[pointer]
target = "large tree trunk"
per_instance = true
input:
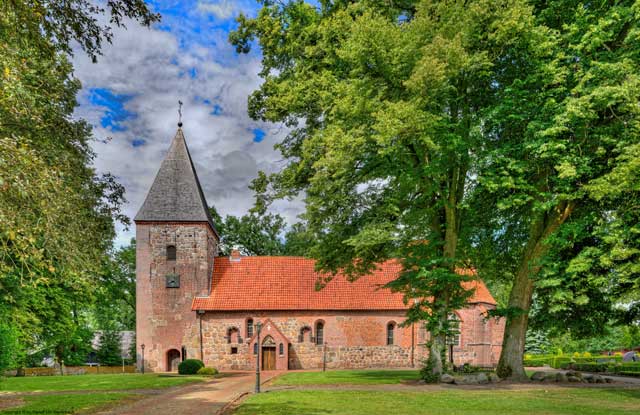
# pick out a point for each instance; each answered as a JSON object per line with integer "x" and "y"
{"x": 510, "y": 364}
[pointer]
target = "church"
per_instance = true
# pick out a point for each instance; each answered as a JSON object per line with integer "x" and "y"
{"x": 193, "y": 303}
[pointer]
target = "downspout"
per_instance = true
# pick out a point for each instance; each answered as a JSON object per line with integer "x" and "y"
{"x": 413, "y": 339}
{"x": 200, "y": 314}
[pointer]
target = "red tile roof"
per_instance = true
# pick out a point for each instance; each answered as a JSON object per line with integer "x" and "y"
{"x": 288, "y": 283}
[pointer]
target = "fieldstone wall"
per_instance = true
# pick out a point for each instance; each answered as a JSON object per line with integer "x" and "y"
{"x": 353, "y": 339}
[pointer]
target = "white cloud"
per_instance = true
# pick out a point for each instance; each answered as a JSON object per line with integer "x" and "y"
{"x": 223, "y": 9}
{"x": 153, "y": 67}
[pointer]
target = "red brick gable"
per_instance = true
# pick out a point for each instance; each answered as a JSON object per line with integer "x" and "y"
{"x": 289, "y": 283}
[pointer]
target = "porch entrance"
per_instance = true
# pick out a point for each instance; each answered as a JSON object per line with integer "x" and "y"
{"x": 268, "y": 358}
{"x": 173, "y": 360}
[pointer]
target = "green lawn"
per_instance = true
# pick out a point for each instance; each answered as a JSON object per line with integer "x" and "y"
{"x": 65, "y": 404}
{"x": 558, "y": 401}
{"x": 93, "y": 382}
{"x": 356, "y": 377}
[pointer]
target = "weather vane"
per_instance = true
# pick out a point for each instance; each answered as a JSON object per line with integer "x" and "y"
{"x": 179, "y": 113}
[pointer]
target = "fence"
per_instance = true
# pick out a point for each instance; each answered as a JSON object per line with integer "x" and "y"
{"x": 74, "y": 370}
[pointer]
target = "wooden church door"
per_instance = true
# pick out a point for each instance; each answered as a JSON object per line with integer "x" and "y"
{"x": 268, "y": 358}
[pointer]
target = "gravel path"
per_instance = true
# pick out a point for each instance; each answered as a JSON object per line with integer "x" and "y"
{"x": 203, "y": 398}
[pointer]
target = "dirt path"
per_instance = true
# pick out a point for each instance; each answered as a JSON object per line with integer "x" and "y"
{"x": 204, "y": 398}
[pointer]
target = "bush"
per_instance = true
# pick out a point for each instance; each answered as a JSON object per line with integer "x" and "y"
{"x": 207, "y": 371}
{"x": 190, "y": 366}
{"x": 586, "y": 367}
{"x": 625, "y": 373}
{"x": 426, "y": 373}
{"x": 626, "y": 367}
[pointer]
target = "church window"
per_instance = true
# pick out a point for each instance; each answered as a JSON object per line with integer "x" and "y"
{"x": 453, "y": 336}
{"x": 171, "y": 253}
{"x": 319, "y": 332}
{"x": 234, "y": 350}
{"x": 255, "y": 348}
{"x": 281, "y": 349}
{"x": 249, "y": 328}
{"x": 390, "y": 331}
{"x": 184, "y": 353}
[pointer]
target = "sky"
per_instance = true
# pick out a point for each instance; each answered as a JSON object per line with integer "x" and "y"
{"x": 131, "y": 98}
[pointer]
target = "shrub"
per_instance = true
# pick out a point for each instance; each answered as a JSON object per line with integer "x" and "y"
{"x": 586, "y": 367}
{"x": 207, "y": 371}
{"x": 537, "y": 361}
{"x": 426, "y": 373}
{"x": 190, "y": 366}
{"x": 634, "y": 374}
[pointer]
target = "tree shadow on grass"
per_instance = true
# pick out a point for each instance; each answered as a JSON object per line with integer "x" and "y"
{"x": 286, "y": 407}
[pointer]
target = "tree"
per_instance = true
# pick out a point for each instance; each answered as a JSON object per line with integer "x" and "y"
{"x": 560, "y": 135}
{"x": 252, "y": 234}
{"x": 109, "y": 350}
{"x": 385, "y": 101}
{"x": 115, "y": 304}
{"x": 56, "y": 215}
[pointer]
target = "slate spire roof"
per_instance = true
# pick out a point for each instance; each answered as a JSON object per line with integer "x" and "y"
{"x": 176, "y": 194}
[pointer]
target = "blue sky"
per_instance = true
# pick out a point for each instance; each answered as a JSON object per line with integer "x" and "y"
{"x": 131, "y": 98}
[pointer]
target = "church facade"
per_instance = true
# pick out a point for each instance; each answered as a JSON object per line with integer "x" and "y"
{"x": 192, "y": 303}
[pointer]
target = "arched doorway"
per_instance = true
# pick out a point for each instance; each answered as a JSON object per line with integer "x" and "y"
{"x": 173, "y": 360}
{"x": 268, "y": 354}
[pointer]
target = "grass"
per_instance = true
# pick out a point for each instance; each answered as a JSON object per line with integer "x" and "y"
{"x": 560, "y": 401}
{"x": 354, "y": 377}
{"x": 66, "y": 404}
{"x": 93, "y": 382}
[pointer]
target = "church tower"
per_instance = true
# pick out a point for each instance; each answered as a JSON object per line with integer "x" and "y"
{"x": 176, "y": 243}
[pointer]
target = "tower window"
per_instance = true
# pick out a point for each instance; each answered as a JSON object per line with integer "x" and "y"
{"x": 171, "y": 253}
{"x": 319, "y": 332}
{"x": 281, "y": 349}
{"x": 390, "y": 329}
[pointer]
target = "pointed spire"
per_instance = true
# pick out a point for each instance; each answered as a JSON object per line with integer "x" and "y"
{"x": 176, "y": 194}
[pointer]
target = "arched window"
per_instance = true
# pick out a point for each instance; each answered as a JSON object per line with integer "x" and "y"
{"x": 390, "y": 329}
{"x": 305, "y": 332}
{"x": 453, "y": 336}
{"x": 281, "y": 349}
{"x": 171, "y": 253}
{"x": 255, "y": 348}
{"x": 319, "y": 332}
{"x": 249, "y": 328}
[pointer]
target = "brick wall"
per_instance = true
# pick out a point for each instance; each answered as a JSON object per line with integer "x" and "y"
{"x": 164, "y": 317}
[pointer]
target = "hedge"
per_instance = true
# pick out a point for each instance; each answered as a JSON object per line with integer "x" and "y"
{"x": 559, "y": 362}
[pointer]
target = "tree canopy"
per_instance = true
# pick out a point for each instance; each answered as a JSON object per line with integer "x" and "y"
{"x": 56, "y": 214}
{"x": 498, "y": 135}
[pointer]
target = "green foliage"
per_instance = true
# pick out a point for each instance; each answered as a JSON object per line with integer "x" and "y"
{"x": 8, "y": 347}
{"x": 74, "y": 348}
{"x": 537, "y": 343}
{"x": 207, "y": 371}
{"x": 115, "y": 294}
{"x": 190, "y": 366}
{"x": 56, "y": 215}
{"x": 109, "y": 350}
{"x": 260, "y": 234}
{"x": 428, "y": 374}
{"x": 385, "y": 101}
